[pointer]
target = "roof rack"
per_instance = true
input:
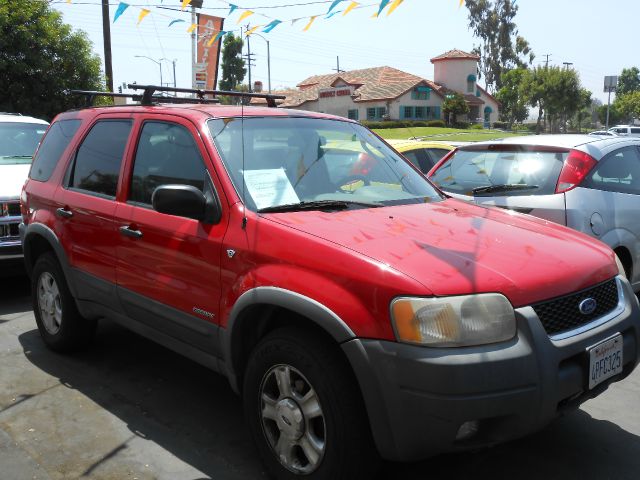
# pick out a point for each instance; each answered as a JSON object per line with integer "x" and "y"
{"x": 149, "y": 90}
{"x": 91, "y": 97}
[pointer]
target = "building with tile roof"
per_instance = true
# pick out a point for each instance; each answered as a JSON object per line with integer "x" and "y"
{"x": 388, "y": 93}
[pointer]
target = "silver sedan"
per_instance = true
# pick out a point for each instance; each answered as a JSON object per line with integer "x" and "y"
{"x": 588, "y": 183}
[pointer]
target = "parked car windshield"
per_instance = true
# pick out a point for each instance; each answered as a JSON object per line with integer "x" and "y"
{"x": 468, "y": 171}
{"x": 18, "y": 141}
{"x": 289, "y": 160}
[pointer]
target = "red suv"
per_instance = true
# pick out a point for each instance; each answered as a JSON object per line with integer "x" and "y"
{"x": 357, "y": 311}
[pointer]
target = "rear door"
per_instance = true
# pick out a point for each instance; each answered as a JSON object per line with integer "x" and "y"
{"x": 529, "y": 174}
{"x": 168, "y": 266}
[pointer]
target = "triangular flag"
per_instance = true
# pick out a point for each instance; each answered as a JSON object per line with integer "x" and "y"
{"x": 375, "y": 15}
{"x": 383, "y": 4}
{"x": 333, "y": 5}
{"x": 175, "y": 21}
{"x": 270, "y": 26}
{"x": 351, "y": 6}
{"x": 311, "y": 20}
{"x": 185, "y": 4}
{"x": 233, "y": 7}
{"x": 120, "y": 10}
{"x": 220, "y": 34}
{"x": 245, "y": 14}
{"x": 333, "y": 13}
{"x": 191, "y": 28}
{"x": 394, "y": 5}
{"x": 252, "y": 29}
{"x": 461, "y": 3}
{"x": 294, "y": 20}
{"x": 143, "y": 13}
{"x": 211, "y": 40}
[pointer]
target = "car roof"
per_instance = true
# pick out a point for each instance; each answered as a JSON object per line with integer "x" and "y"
{"x": 404, "y": 145}
{"x": 17, "y": 118}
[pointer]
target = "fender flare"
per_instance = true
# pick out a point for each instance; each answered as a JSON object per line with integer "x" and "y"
{"x": 27, "y": 232}
{"x": 278, "y": 297}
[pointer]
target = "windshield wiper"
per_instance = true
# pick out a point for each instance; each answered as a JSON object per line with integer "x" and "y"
{"x": 317, "y": 205}
{"x": 503, "y": 188}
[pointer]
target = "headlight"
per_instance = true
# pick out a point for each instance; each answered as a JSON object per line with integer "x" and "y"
{"x": 453, "y": 321}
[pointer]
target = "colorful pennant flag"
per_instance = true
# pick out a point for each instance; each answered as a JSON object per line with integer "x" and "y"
{"x": 394, "y": 5}
{"x": 294, "y": 20}
{"x": 143, "y": 13}
{"x": 245, "y": 14}
{"x": 311, "y": 20}
{"x": 383, "y": 4}
{"x": 333, "y": 5}
{"x": 233, "y": 8}
{"x": 270, "y": 26}
{"x": 332, "y": 14}
{"x": 185, "y": 4}
{"x": 175, "y": 21}
{"x": 461, "y": 3}
{"x": 191, "y": 28}
{"x": 351, "y": 6}
{"x": 120, "y": 10}
{"x": 252, "y": 29}
{"x": 218, "y": 36}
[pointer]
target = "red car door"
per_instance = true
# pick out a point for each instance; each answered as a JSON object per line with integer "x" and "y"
{"x": 168, "y": 269}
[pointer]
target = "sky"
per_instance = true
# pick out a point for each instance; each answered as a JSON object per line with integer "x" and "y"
{"x": 599, "y": 38}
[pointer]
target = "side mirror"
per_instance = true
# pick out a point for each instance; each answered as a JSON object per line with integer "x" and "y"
{"x": 179, "y": 200}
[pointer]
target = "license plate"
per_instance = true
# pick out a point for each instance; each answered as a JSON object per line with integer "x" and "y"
{"x": 605, "y": 360}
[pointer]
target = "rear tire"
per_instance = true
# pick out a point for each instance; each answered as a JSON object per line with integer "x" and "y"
{"x": 305, "y": 411}
{"x": 61, "y": 326}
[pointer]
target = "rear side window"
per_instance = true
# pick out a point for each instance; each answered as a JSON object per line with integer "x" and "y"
{"x": 53, "y": 145}
{"x": 436, "y": 154}
{"x": 166, "y": 154}
{"x": 467, "y": 170}
{"x": 97, "y": 163}
{"x": 635, "y": 130}
{"x": 617, "y": 172}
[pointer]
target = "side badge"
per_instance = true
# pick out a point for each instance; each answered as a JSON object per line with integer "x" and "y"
{"x": 230, "y": 253}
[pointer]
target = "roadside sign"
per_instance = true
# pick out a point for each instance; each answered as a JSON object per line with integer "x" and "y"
{"x": 610, "y": 83}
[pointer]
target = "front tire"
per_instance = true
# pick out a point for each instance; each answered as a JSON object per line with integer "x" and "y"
{"x": 305, "y": 410}
{"x": 61, "y": 326}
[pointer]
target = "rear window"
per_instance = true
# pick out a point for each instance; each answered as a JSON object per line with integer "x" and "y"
{"x": 53, "y": 145}
{"x": 467, "y": 170}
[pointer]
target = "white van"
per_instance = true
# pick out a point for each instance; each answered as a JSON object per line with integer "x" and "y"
{"x": 626, "y": 130}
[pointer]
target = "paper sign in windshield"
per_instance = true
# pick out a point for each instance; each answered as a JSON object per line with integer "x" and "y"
{"x": 270, "y": 187}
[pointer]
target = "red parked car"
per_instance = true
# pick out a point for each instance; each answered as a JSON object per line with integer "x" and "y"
{"x": 357, "y": 313}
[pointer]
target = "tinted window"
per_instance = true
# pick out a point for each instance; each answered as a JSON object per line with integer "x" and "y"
{"x": 470, "y": 169}
{"x": 18, "y": 141}
{"x": 166, "y": 154}
{"x": 54, "y": 143}
{"x": 436, "y": 154}
{"x": 97, "y": 164}
{"x": 635, "y": 130}
{"x": 617, "y": 172}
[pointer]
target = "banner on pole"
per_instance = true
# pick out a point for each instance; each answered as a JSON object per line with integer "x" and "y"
{"x": 208, "y": 53}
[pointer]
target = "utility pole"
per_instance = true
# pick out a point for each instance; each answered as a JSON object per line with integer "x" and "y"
{"x": 546, "y": 63}
{"x": 106, "y": 35}
{"x": 567, "y": 65}
{"x": 193, "y": 48}
{"x": 337, "y": 69}
{"x": 249, "y": 57}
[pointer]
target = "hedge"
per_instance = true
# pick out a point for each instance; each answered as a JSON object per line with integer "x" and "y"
{"x": 402, "y": 124}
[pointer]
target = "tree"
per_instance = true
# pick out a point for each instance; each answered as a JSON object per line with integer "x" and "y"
{"x": 614, "y": 115}
{"x": 454, "y": 105}
{"x": 628, "y": 105}
{"x": 233, "y": 70}
{"x": 628, "y": 81}
{"x": 40, "y": 58}
{"x": 583, "y": 111}
{"x": 514, "y": 96}
{"x": 501, "y": 48}
{"x": 557, "y": 94}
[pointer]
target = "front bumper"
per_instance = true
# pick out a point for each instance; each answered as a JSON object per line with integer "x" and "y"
{"x": 417, "y": 398}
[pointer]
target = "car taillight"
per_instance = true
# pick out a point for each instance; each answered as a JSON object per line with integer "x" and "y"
{"x": 440, "y": 162}
{"x": 576, "y": 166}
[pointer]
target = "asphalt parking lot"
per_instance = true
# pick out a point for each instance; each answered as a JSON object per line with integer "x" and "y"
{"x": 130, "y": 409}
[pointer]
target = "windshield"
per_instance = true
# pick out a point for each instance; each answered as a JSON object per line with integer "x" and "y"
{"x": 292, "y": 160}
{"x": 511, "y": 171}
{"x": 18, "y": 141}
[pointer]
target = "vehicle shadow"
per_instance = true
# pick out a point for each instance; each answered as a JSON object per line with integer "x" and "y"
{"x": 15, "y": 298}
{"x": 186, "y": 409}
{"x": 194, "y": 415}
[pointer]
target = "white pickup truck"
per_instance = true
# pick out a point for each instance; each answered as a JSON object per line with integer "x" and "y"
{"x": 19, "y": 138}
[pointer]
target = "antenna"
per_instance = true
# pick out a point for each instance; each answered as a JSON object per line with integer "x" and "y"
{"x": 244, "y": 200}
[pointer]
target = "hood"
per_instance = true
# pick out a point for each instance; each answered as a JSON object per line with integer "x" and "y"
{"x": 12, "y": 177}
{"x": 456, "y": 248}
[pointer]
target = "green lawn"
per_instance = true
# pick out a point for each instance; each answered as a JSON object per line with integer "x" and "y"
{"x": 447, "y": 134}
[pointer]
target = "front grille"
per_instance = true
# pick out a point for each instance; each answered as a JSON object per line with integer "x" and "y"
{"x": 562, "y": 314}
{"x": 11, "y": 231}
{"x": 10, "y": 209}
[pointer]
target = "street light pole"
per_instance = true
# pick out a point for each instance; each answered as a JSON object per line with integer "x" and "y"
{"x": 174, "y": 70}
{"x": 268, "y": 60}
{"x": 159, "y": 63}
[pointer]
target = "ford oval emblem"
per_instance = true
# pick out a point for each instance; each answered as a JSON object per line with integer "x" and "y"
{"x": 587, "y": 306}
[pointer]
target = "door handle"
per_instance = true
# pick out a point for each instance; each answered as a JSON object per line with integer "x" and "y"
{"x": 129, "y": 232}
{"x": 64, "y": 213}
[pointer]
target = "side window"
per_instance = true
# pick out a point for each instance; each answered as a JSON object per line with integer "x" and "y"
{"x": 617, "y": 172}
{"x": 166, "y": 154}
{"x": 436, "y": 154}
{"x": 97, "y": 163}
{"x": 54, "y": 143}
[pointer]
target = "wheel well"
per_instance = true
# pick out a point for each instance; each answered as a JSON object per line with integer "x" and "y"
{"x": 625, "y": 258}
{"x": 256, "y": 321}
{"x": 35, "y": 246}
